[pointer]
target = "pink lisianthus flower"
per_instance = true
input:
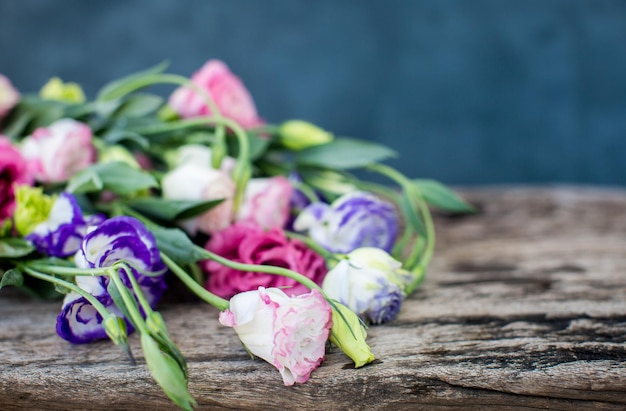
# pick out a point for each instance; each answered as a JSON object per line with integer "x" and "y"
{"x": 227, "y": 91}
{"x": 266, "y": 202}
{"x": 58, "y": 152}
{"x": 9, "y": 96}
{"x": 13, "y": 170}
{"x": 248, "y": 243}
{"x": 288, "y": 332}
{"x": 192, "y": 181}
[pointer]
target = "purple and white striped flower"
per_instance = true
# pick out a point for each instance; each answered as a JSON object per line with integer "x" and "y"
{"x": 370, "y": 282}
{"x": 357, "y": 219}
{"x": 62, "y": 233}
{"x": 116, "y": 239}
{"x": 79, "y": 322}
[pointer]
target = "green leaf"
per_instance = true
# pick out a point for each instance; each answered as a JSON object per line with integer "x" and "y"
{"x": 169, "y": 210}
{"x": 85, "y": 181}
{"x": 409, "y": 210}
{"x": 175, "y": 244}
{"x": 344, "y": 153}
{"x": 15, "y": 247}
{"x": 115, "y": 176}
{"x": 440, "y": 196}
{"x": 12, "y": 277}
{"x": 258, "y": 146}
{"x": 139, "y": 105}
{"x": 119, "y": 87}
{"x": 117, "y": 135}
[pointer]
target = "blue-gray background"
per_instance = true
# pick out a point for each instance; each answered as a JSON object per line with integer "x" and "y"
{"x": 469, "y": 92}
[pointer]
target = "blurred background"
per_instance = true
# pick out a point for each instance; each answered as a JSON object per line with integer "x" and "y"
{"x": 468, "y": 92}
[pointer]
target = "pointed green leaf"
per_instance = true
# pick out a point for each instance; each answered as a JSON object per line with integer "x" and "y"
{"x": 115, "y": 176}
{"x": 139, "y": 105}
{"x": 175, "y": 243}
{"x": 440, "y": 196}
{"x": 344, "y": 153}
{"x": 169, "y": 210}
{"x": 117, "y": 135}
{"x": 85, "y": 181}
{"x": 15, "y": 247}
{"x": 12, "y": 277}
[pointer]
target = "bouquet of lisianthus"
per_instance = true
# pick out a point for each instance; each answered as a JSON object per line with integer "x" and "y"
{"x": 105, "y": 202}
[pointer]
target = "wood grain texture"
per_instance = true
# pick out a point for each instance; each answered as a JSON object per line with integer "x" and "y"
{"x": 524, "y": 307}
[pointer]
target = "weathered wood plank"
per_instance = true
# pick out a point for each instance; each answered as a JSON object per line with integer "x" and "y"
{"x": 524, "y": 307}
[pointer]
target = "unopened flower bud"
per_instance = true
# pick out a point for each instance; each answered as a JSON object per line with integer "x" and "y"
{"x": 348, "y": 334}
{"x": 298, "y": 135}
{"x": 56, "y": 89}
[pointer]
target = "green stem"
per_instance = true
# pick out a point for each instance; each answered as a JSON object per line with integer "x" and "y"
{"x": 312, "y": 245}
{"x": 68, "y": 271}
{"x": 267, "y": 269}
{"x": 412, "y": 191}
{"x": 71, "y": 286}
{"x": 136, "y": 288}
{"x": 420, "y": 268}
{"x": 207, "y": 296}
{"x": 130, "y": 304}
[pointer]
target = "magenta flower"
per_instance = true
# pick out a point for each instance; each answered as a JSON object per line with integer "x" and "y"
{"x": 227, "y": 91}
{"x": 59, "y": 151}
{"x": 266, "y": 202}
{"x": 13, "y": 170}
{"x": 9, "y": 96}
{"x": 288, "y": 332}
{"x": 248, "y": 243}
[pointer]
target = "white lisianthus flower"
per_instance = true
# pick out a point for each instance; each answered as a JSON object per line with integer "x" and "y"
{"x": 370, "y": 282}
{"x": 196, "y": 182}
{"x": 200, "y": 155}
{"x": 288, "y": 332}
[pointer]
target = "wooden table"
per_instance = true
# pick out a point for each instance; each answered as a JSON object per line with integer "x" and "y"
{"x": 524, "y": 306}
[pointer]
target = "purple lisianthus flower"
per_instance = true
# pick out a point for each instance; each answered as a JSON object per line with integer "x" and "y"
{"x": 357, "y": 219}
{"x": 116, "y": 239}
{"x": 79, "y": 322}
{"x": 62, "y": 233}
{"x": 370, "y": 282}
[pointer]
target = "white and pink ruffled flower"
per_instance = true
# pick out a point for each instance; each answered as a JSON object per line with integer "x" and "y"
{"x": 59, "y": 151}
{"x": 227, "y": 91}
{"x": 192, "y": 181}
{"x": 266, "y": 202}
{"x": 288, "y": 332}
{"x": 9, "y": 96}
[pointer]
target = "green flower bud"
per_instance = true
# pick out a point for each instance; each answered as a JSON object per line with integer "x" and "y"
{"x": 55, "y": 89}
{"x": 115, "y": 328}
{"x": 298, "y": 135}
{"x": 32, "y": 207}
{"x": 167, "y": 373}
{"x": 118, "y": 153}
{"x": 348, "y": 334}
